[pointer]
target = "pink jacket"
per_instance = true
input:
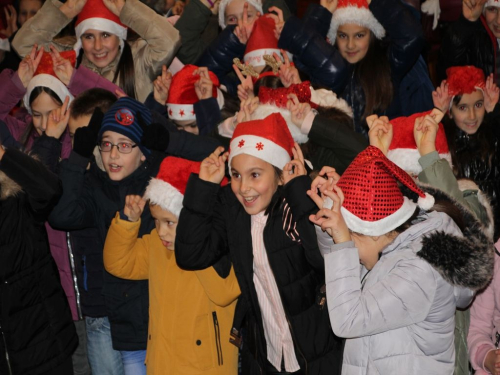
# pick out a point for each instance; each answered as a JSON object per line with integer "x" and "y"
{"x": 11, "y": 92}
{"x": 485, "y": 320}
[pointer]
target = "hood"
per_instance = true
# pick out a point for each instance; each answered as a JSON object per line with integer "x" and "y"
{"x": 8, "y": 188}
{"x": 465, "y": 261}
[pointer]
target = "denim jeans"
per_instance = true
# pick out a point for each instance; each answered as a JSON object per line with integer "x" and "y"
{"x": 133, "y": 362}
{"x": 104, "y": 360}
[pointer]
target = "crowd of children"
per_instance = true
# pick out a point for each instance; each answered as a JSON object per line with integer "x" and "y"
{"x": 223, "y": 187}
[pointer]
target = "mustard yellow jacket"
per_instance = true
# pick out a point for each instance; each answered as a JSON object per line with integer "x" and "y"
{"x": 190, "y": 313}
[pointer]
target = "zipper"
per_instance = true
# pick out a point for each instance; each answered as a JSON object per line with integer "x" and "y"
{"x": 6, "y": 351}
{"x": 217, "y": 338}
{"x": 73, "y": 274}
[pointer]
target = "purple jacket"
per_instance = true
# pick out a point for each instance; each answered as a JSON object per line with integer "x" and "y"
{"x": 11, "y": 93}
{"x": 485, "y": 320}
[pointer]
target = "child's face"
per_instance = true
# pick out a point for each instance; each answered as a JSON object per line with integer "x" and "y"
{"x": 166, "y": 225}
{"x": 41, "y": 108}
{"x": 234, "y": 12}
{"x": 353, "y": 42}
{"x": 27, "y": 9}
{"x": 189, "y": 126}
{"x": 492, "y": 16}
{"x": 468, "y": 114}
{"x": 254, "y": 182}
{"x": 76, "y": 123}
{"x": 119, "y": 165}
{"x": 100, "y": 47}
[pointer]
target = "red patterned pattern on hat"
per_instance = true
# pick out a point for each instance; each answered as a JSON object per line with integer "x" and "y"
{"x": 182, "y": 95}
{"x": 464, "y": 79}
{"x": 46, "y": 65}
{"x": 167, "y": 189}
{"x": 268, "y": 139}
{"x": 262, "y": 42}
{"x": 373, "y": 204}
{"x": 355, "y": 12}
{"x": 403, "y": 149}
{"x": 279, "y": 96}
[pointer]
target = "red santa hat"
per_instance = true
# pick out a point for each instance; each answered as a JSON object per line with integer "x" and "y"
{"x": 96, "y": 16}
{"x": 262, "y": 42}
{"x": 268, "y": 139}
{"x": 257, "y": 4}
{"x": 403, "y": 149}
{"x": 46, "y": 77}
{"x": 167, "y": 189}
{"x": 373, "y": 203}
{"x": 182, "y": 95}
{"x": 356, "y": 12}
{"x": 464, "y": 80}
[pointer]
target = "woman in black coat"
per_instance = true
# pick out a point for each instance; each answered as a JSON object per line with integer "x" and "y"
{"x": 38, "y": 334}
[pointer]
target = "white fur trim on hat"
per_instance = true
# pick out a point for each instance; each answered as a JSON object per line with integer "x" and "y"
{"x": 100, "y": 24}
{"x": 261, "y": 148}
{"x": 46, "y": 80}
{"x": 181, "y": 112}
{"x": 407, "y": 159}
{"x": 382, "y": 226}
{"x": 4, "y": 44}
{"x": 256, "y": 58}
{"x": 491, "y": 3}
{"x": 359, "y": 16}
{"x": 327, "y": 98}
{"x": 222, "y": 9}
{"x": 163, "y": 194}
{"x": 264, "y": 110}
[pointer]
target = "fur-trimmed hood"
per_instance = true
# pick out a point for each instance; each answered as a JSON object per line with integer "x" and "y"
{"x": 8, "y": 188}
{"x": 465, "y": 261}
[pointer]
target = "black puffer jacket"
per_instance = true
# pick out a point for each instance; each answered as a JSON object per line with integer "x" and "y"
{"x": 326, "y": 67}
{"x": 468, "y": 43}
{"x": 213, "y": 223}
{"x": 37, "y": 330}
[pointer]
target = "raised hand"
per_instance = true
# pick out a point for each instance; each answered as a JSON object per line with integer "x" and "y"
{"x": 72, "y": 8}
{"x": 247, "y": 108}
{"x": 425, "y": 131}
{"x": 28, "y": 66}
{"x": 441, "y": 97}
{"x": 11, "y": 21}
{"x": 491, "y": 94}
{"x": 289, "y": 75}
{"x": 85, "y": 138}
{"x": 62, "y": 67}
{"x": 296, "y": 166}
{"x": 331, "y": 5}
{"x": 278, "y": 20}
{"x": 134, "y": 207}
{"x": 472, "y": 9}
{"x": 213, "y": 167}
{"x": 58, "y": 120}
{"x": 204, "y": 86}
{"x": 245, "y": 27}
{"x": 325, "y": 180}
{"x": 298, "y": 110}
{"x": 380, "y": 133}
{"x": 245, "y": 88}
{"x": 115, "y": 6}
{"x": 161, "y": 86}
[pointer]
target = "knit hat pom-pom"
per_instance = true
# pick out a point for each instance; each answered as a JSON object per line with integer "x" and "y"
{"x": 426, "y": 202}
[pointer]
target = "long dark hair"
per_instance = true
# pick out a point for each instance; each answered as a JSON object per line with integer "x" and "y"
{"x": 125, "y": 72}
{"x": 35, "y": 94}
{"x": 378, "y": 88}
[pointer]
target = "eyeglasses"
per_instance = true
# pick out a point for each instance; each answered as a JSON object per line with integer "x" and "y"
{"x": 123, "y": 147}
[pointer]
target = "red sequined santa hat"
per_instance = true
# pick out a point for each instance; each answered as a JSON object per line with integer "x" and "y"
{"x": 373, "y": 203}
{"x": 96, "y": 16}
{"x": 182, "y": 95}
{"x": 262, "y": 42}
{"x": 46, "y": 77}
{"x": 167, "y": 189}
{"x": 356, "y": 12}
{"x": 268, "y": 139}
{"x": 403, "y": 149}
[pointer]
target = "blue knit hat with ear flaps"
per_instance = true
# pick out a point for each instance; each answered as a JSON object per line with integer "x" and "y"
{"x": 122, "y": 118}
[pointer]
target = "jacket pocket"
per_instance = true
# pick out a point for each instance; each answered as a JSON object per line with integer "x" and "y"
{"x": 203, "y": 342}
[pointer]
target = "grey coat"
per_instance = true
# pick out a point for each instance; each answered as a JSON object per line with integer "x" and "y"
{"x": 400, "y": 318}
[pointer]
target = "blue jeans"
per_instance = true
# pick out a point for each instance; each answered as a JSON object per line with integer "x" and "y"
{"x": 133, "y": 362}
{"x": 104, "y": 360}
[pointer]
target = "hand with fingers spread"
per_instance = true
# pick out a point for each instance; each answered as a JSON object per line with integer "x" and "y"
{"x": 213, "y": 168}
{"x": 72, "y": 8}
{"x": 115, "y": 6}
{"x": 58, "y": 120}
{"x": 296, "y": 167}
{"x": 247, "y": 108}
{"x": 10, "y": 21}
{"x": 325, "y": 180}
{"x": 380, "y": 133}
{"x": 204, "y": 86}
{"x": 28, "y": 66}
{"x": 245, "y": 88}
{"x": 161, "y": 86}
{"x": 245, "y": 26}
{"x": 62, "y": 67}
{"x": 425, "y": 132}
{"x": 298, "y": 110}
{"x": 441, "y": 97}
{"x": 289, "y": 75}
{"x": 491, "y": 94}
{"x": 134, "y": 207}
{"x": 331, "y": 5}
{"x": 155, "y": 136}
{"x": 472, "y": 9}
{"x": 85, "y": 138}
{"x": 278, "y": 20}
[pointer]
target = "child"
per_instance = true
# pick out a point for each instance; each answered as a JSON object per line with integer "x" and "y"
{"x": 277, "y": 264}
{"x": 38, "y": 335}
{"x": 191, "y": 312}
{"x": 421, "y": 261}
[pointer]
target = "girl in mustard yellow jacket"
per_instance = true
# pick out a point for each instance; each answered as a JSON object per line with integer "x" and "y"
{"x": 191, "y": 312}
